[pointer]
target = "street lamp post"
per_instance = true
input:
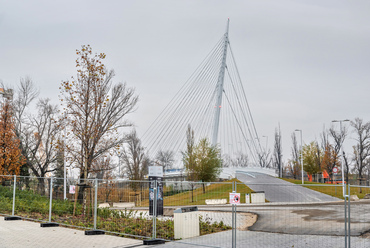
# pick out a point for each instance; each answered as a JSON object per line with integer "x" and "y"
{"x": 299, "y": 130}
{"x": 119, "y": 162}
{"x": 341, "y": 152}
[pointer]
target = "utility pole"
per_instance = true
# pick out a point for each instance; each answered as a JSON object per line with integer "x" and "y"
{"x": 341, "y": 152}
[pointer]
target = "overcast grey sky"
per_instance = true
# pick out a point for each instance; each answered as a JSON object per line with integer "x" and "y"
{"x": 303, "y": 63}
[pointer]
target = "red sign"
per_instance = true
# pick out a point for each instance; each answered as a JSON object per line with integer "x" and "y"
{"x": 234, "y": 198}
{"x": 335, "y": 170}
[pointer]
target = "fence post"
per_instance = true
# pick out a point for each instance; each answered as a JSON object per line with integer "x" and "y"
{"x": 349, "y": 215}
{"x": 155, "y": 210}
{"x": 95, "y": 231}
{"x": 95, "y": 202}
{"x": 12, "y": 217}
{"x": 50, "y": 224}
{"x": 14, "y": 186}
{"x": 233, "y": 214}
{"x": 51, "y": 198}
{"x": 345, "y": 216}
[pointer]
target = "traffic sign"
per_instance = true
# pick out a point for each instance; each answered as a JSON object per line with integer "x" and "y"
{"x": 335, "y": 170}
{"x": 234, "y": 198}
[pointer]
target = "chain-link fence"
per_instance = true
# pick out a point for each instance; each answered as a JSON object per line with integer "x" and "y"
{"x": 195, "y": 213}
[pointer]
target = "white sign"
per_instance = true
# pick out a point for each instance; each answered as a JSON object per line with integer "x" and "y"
{"x": 155, "y": 171}
{"x": 335, "y": 170}
{"x": 234, "y": 198}
{"x": 72, "y": 189}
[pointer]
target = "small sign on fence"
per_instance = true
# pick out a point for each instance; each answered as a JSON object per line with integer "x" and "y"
{"x": 72, "y": 189}
{"x": 234, "y": 198}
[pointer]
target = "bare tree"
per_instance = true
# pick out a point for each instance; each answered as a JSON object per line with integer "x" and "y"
{"x": 165, "y": 159}
{"x": 94, "y": 110}
{"x": 338, "y": 138}
{"x": 294, "y": 165}
{"x": 241, "y": 160}
{"x": 189, "y": 159}
{"x": 264, "y": 159}
{"x": 278, "y": 152}
{"x": 134, "y": 158}
{"x": 25, "y": 94}
{"x": 43, "y": 147}
{"x": 362, "y": 148}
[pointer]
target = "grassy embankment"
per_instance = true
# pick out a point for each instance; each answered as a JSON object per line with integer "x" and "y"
{"x": 213, "y": 191}
{"x": 335, "y": 190}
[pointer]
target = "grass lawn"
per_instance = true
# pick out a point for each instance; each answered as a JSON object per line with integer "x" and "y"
{"x": 335, "y": 190}
{"x": 212, "y": 191}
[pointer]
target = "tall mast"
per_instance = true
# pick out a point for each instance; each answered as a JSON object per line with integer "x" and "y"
{"x": 220, "y": 87}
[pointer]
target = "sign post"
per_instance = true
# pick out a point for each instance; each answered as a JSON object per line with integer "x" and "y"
{"x": 155, "y": 201}
{"x": 234, "y": 199}
{"x": 156, "y": 176}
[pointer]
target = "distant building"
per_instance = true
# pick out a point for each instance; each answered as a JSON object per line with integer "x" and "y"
{"x": 6, "y": 94}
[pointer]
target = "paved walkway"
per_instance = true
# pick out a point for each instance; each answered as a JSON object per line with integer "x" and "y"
{"x": 21, "y": 234}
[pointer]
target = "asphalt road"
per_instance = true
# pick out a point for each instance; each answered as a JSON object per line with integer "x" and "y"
{"x": 278, "y": 190}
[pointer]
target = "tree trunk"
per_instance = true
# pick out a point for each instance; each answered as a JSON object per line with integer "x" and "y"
{"x": 41, "y": 185}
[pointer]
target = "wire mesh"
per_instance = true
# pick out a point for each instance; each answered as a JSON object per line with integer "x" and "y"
{"x": 123, "y": 208}
{"x": 288, "y": 215}
{"x": 6, "y": 194}
{"x": 291, "y": 215}
{"x": 193, "y": 209}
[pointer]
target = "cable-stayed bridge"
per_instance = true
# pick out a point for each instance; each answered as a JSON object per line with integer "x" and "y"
{"x": 213, "y": 102}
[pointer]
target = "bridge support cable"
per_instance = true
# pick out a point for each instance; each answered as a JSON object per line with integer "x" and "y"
{"x": 241, "y": 129}
{"x": 185, "y": 107}
{"x": 199, "y": 102}
{"x": 244, "y": 95}
{"x": 238, "y": 104}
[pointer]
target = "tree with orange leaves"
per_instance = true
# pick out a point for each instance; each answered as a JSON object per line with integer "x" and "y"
{"x": 11, "y": 158}
{"x": 330, "y": 160}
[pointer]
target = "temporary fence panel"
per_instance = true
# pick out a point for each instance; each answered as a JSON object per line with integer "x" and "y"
{"x": 293, "y": 216}
{"x": 6, "y": 194}
{"x": 359, "y": 216}
{"x": 188, "y": 205}
{"x": 123, "y": 208}
{"x": 308, "y": 215}
{"x": 32, "y": 198}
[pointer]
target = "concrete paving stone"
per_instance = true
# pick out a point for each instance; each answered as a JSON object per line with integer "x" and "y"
{"x": 21, "y": 234}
